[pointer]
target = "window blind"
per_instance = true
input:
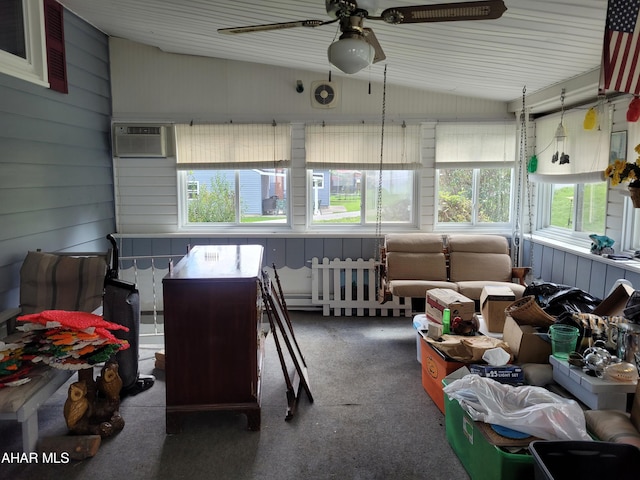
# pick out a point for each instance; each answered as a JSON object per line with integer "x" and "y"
{"x": 359, "y": 147}
{"x": 588, "y": 150}
{"x": 233, "y": 146}
{"x": 475, "y": 145}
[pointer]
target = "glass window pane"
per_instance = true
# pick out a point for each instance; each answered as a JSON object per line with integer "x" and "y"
{"x": 336, "y": 196}
{"x": 494, "y": 198}
{"x": 397, "y": 196}
{"x": 455, "y": 193}
{"x": 212, "y": 196}
{"x": 634, "y": 243}
{"x": 215, "y": 199}
{"x": 593, "y": 208}
{"x": 562, "y": 199}
{"x": 12, "y": 37}
{"x": 263, "y": 195}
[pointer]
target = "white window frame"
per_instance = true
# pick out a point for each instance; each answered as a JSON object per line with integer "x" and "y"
{"x": 363, "y": 224}
{"x": 501, "y": 226}
{"x": 34, "y": 68}
{"x": 183, "y": 206}
{"x": 543, "y": 214}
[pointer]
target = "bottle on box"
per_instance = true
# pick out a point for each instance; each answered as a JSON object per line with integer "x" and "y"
{"x": 446, "y": 321}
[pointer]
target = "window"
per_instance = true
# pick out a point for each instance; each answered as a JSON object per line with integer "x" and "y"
{"x": 22, "y": 40}
{"x": 572, "y": 196}
{"x": 346, "y": 174}
{"x": 474, "y": 196}
{"x": 578, "y": 207}
{"x": 353, "y": 197}
{"x": 233, "y": 174}
{"x": 474, "y": 165}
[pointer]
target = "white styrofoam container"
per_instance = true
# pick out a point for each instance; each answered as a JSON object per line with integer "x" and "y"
{"x": 596, "y": 393}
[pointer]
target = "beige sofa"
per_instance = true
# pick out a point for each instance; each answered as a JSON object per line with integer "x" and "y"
{"x": 417, "y": 262}
{"x": 616, "y": 426}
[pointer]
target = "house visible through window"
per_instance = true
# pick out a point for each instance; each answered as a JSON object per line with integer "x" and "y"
{"x": 233, "y": 174}
{"x": 349, "y": 175}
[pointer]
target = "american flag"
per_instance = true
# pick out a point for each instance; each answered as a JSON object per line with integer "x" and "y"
{"x": 622, "y": 47}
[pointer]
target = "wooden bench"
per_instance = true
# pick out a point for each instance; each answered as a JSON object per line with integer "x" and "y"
{"x": 79, "y": 284}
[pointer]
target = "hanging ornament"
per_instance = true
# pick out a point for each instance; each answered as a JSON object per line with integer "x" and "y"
{"x": 590, "y": 119}
{"x": 633, "y": 113}
{"x": 532, "y": 165}
{"x": 560, "y": 156}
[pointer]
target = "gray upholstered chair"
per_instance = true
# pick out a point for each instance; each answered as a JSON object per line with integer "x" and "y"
{"x": 67, "y": 281}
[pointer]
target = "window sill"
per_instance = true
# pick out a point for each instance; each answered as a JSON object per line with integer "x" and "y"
{"x": 631, "y": 264}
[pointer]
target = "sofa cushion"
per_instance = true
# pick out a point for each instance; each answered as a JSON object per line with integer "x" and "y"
{"x": 612, "y": 426}
{"x": 417, "y": 288}
{"x": 466, "y": 266}
{"x": 478, "y": 244}
{"x": 473, "y": 288}
{"x": 416, "y": 266}
{"x": 414, "y": 242}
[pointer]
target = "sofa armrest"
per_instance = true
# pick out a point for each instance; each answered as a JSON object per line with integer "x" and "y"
{"x": 384, "y": 295}
{"x": 520, "y": 273}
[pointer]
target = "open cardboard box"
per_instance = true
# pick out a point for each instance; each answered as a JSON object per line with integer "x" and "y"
{"x": 526, "y": 343}
{"x": 494, "y": 300}
{"x": 615, "y": 303}
{"x": 530, "y": 346}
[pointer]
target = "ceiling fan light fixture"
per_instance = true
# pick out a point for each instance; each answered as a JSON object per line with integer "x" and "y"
{"x": 351, "y": 54}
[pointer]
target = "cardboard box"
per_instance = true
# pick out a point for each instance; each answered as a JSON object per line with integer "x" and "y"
{"x": 526, "y": 344}
{"x": 510, "y": 374}
{"x": 435, "y": 366}
{"x": 615, "y": 303}
{"x": 440, "y": 298}
{"x": 493, "y": 301}
{"x": 484, "y": 454}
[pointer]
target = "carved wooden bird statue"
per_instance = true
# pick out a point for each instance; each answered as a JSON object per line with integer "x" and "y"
{"x": 76, "y": 406}
{"x": 109, "y": 382}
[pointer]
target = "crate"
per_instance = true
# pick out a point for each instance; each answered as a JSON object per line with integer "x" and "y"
{"x": 555, "y": 460}
{"x": 482, "y": 458}
{"x": 435, "y": 366}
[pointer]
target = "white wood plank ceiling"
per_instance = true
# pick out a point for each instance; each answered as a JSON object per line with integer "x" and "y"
{"x": 535, "y": 44}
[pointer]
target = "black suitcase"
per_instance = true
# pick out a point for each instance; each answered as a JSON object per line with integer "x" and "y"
{"x": 121, "y": 305}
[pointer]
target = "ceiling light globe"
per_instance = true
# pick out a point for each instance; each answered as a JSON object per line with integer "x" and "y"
{"x": 351, "y": 54}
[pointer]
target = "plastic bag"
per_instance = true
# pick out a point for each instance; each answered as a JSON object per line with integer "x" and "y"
{"x": 557, "y": 299}
{"x": 528, "y": 409}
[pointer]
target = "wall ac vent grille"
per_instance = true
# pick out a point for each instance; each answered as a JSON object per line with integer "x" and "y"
{"x": 140, "y": 141}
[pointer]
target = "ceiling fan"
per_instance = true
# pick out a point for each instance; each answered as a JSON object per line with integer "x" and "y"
{"x": 358, "y": 47}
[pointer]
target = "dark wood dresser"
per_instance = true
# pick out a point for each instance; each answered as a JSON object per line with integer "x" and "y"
{"x": 213, "y": 334}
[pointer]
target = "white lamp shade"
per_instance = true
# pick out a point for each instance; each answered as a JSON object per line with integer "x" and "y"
{"x": 351, "y": 54}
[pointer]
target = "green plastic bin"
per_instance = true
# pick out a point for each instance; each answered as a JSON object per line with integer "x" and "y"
{"x": 482, "y": 460}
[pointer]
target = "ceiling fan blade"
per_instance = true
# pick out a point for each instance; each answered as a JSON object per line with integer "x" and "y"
{"x": 444, "y": 12}
{"x": 371, "y": 39}
{"x": 275, "y": 26}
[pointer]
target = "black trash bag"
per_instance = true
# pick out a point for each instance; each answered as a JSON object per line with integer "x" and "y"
{"x": 632, "y": 308}
{"x": 556, "y": 299}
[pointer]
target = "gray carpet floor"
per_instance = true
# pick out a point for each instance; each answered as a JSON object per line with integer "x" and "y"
{"x": 370, "y": 419}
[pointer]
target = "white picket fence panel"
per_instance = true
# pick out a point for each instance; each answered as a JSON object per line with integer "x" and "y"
{"x": 348, "y": 287}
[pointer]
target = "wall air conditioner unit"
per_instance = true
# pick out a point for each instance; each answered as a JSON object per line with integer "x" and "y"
{"x": 140, "y": 140}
